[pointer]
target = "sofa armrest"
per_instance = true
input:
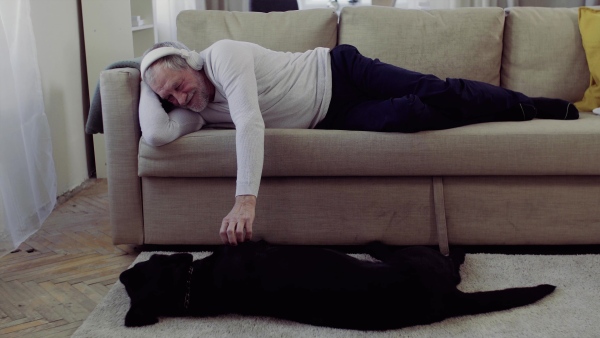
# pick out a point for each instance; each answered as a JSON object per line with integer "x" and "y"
{"x": 120, "y": 92}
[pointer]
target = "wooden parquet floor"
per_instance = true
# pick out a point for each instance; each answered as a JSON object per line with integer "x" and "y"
{"x": 56, "y": 278}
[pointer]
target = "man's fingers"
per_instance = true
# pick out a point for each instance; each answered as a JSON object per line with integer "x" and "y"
{"x": 239, "y": 232}
{"x": 227, "y": 232}
{"x": 223, "y": 232}
{"x": 249, "y": 229}
{"x": 231, "y": 233}
{"x": 236, "y": 227}
{"x": 249, "y": 232}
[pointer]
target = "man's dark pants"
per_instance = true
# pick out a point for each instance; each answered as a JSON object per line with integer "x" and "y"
{"x": 371, "y": 95}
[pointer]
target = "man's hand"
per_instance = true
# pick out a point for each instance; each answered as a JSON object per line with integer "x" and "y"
{"x": 237, "y": 225}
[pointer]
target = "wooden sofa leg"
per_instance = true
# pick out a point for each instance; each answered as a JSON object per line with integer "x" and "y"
{"x": 440, "y": 214}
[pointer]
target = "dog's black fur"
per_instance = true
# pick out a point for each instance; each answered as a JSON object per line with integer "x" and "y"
{"x": 318, "y": 286}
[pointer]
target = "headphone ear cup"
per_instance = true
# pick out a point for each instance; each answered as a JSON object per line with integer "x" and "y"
{"x": 194, "y": 60}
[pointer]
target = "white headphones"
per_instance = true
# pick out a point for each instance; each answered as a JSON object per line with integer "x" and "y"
{"x": 192, "y": 58}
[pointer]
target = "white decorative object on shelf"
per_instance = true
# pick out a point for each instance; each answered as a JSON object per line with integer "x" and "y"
{"x": 137, "y": 21}
{"x": 596, "y": 111}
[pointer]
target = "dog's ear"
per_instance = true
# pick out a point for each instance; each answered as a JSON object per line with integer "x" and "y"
{"x": 131, "y": 277}
{"x": 135, "y": 276}
{"x": 138, "y": 315}
{"x": 181, "y": 258}
{"x": 158, "y": 257}
{"x": 184, "y": 258}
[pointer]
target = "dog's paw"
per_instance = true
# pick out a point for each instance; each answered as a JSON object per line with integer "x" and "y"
{"x": 136, "y": 316}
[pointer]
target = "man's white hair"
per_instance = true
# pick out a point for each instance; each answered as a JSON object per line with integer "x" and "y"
{"x": 174, "y": 62}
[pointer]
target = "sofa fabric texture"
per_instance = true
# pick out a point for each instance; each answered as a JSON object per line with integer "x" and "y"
{"x": 543, "y": 55}
{"x": 293, "y": 31}
{"x": 498, "y": 148}
{"x": 421, "y": 41}
{"x": 501, "y": 183}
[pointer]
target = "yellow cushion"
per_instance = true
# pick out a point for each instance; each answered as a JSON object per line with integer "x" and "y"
{"x": 589, "y": 26}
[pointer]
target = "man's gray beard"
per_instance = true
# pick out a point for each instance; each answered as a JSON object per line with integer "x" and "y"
{"x": 196, "y": 109}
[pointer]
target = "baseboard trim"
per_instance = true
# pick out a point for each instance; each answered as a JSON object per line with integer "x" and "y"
{"x": 69, "y": 194}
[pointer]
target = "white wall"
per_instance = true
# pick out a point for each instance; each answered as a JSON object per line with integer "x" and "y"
{"x": 56, "y": 30}
{"x": 108, "y": 39}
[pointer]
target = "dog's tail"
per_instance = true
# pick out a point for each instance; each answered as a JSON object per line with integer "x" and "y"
{"x": 489, "y": 301}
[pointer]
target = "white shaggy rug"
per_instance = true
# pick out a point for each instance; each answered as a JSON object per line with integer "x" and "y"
{"x": 571, "y": 311}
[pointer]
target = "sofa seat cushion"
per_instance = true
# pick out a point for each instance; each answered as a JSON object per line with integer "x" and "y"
{"x": 538, "y": 147}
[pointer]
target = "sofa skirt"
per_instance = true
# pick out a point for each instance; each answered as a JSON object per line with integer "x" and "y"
{"x": 478, "y": 210}
{"x": 517, "y": 210}
{"x": 332, "y": 210}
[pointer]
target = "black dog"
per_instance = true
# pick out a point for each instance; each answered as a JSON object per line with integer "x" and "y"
{"x": 317, "y": 286}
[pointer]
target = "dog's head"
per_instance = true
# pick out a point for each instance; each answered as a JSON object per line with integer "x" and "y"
{"x": 155, "y": 287}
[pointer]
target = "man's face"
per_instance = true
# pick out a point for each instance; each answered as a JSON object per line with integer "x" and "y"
{"x": 184, "y": 88}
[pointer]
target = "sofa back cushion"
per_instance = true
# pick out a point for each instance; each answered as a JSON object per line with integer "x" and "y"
{"x": 293, "y": 31}
{"x": 463, "y": 43}
{"x": 543, "y": 53}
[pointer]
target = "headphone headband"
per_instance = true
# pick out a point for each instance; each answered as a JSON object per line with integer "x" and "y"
{"x": 191, "y": 57}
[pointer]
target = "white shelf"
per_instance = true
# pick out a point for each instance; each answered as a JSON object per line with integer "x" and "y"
{"x": 139, "y": 28}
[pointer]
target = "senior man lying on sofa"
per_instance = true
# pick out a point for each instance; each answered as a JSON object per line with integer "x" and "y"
{"x": 257, "y": 88}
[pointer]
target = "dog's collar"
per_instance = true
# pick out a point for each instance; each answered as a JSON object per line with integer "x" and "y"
{"x": 188, "y": 288}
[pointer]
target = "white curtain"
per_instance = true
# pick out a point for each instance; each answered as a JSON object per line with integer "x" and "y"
{"x": 167, "y": 11}
{"x": 437, "y": 4}
{"x": 230, "y": 5}
{"x": 166, "y": 15}
{"x": 441, "y": 4}
{"x": 27, "y": 174}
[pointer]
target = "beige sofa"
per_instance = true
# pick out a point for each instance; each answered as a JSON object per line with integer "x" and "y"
{"x": 510, "y": 183}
